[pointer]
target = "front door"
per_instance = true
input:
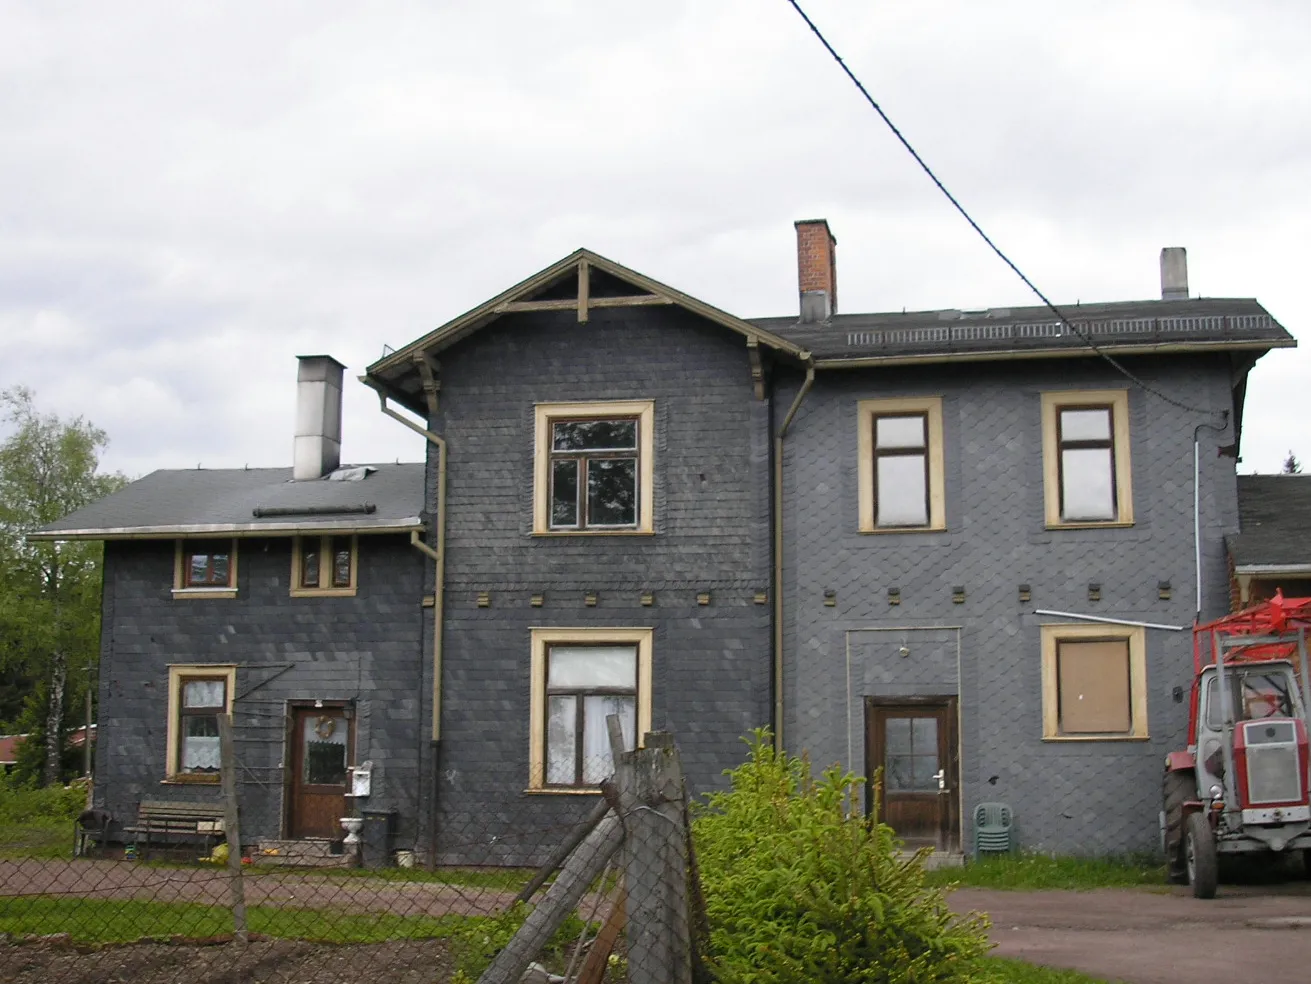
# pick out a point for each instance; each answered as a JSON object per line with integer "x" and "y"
{"x": 913, "y": 740}
{"x": 320, "y": 746}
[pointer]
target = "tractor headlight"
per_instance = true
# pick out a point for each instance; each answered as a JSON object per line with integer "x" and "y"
{"x": 1217, "y": 791}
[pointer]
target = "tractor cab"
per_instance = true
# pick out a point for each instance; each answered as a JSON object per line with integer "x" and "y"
{"x": 1243, "y": 785}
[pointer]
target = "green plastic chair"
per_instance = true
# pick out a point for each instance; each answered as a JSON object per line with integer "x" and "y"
{"x": 993, "y": 827}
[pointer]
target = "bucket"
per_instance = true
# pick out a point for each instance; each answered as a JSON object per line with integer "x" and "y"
{"x": 405, "y": 859}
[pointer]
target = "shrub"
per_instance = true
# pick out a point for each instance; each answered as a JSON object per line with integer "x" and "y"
{"x": 800, "y": 886}
{"x": 25, "y": 805}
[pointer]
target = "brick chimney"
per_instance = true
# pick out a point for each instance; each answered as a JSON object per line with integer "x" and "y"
{"x": 1174, "y": 273}
{"x": 318, "y": 417}
{"x": 817, "y": 272}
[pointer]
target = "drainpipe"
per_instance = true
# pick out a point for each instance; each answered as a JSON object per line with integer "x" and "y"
{"x": 438, "y": 556}
{"x": 778, "y": 548}
{"x": 1197, "y": 509}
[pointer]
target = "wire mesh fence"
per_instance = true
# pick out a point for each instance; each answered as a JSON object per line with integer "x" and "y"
{"x": 612, "y": 902}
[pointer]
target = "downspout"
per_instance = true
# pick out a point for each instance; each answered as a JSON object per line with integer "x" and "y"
{"x": 438, "y": 556}
{"x": 778, "y": 547}
{"x": 1197, "y": 509}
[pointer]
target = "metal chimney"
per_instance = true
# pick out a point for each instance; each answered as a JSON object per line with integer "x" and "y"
{"x": 318, "y": 417}
{"x": 1174, "y": 273}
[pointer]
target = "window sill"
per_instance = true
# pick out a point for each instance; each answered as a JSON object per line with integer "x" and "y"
{"x": 563, "y": 791}
{"x": 204, "y": 592}
{"x": 197, "y": 780}
{"x": 554, "y": 533}
{"x": 1086, "y": 738}
{"x": 1117, "y": 525}
{"x": 323, "y": 592}
{"x": 876, "y": 530}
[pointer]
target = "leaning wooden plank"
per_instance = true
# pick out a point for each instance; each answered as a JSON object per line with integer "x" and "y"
{"x": 593, "y": 969}
{"x": 565, "y": 849}
{"x": 582, "y": 868}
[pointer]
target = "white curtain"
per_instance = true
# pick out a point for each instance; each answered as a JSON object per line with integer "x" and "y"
{"x": 597, "y": 759}
{"x": 200, "y": 754}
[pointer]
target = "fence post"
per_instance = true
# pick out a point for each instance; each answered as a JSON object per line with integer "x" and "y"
{"x": 651, "y": 804}
{"x": 232, "y": 825}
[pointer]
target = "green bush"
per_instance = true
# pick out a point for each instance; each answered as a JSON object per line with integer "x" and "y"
{"x": 26, "y": 805}
{"x": 801, "y": 887}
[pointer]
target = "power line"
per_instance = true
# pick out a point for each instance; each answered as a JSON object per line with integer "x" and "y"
{"x": 1060, "y": 316}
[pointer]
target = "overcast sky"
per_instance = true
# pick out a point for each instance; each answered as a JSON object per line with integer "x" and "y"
{"x": 191, "y": 194}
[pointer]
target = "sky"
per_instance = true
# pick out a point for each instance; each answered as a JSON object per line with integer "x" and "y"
{"x": 193, "y": 194}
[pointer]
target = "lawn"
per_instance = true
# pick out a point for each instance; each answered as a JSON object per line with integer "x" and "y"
{"x": 1031, "y": 872}
{"x": 1000, "y": 971}
{"x": 38, "y": 823}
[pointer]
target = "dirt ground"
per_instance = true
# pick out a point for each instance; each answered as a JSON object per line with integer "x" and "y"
{"x": 400, "y": 962}
{"x": 1246, "y": 935}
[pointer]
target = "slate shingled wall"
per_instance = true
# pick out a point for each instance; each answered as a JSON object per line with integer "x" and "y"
{"x": 366, "y": 649}
{"x": 1068, "y": 796}
{"x": 711, "y": 663}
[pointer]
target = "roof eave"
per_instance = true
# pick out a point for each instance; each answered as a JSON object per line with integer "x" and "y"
{"x": 404, "y": 525}
{"x": 1137, "y": 348}
{"x": 1273, "y": 570}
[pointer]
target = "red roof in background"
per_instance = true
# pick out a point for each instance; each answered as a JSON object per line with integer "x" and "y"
{"x": 9, "y": 744}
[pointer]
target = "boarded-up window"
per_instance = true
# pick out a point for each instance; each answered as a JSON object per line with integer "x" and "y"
{"x": 1093, "y": 687}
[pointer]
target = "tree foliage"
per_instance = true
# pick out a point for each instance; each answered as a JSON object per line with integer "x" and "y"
{"x": 801, "y": 887}
{"x": 1291, "y": 465}
{"x": 49, "y": 592}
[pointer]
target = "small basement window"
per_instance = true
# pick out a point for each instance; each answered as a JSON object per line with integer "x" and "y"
{"x": 324, "y": 566}
{"x": 205, "y": 568}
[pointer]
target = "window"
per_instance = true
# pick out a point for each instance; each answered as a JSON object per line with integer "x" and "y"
{"x": 1094, "y": 682}
{"x": 324, "y": 566}
{"x": 1086, "y": 474}
{"x": 900, "y": 485}
{"x": 594, "y": 467}
{"x": 581, "y": 676}
{"x": 197, "y": 695}
{"x": 205, "y": 569}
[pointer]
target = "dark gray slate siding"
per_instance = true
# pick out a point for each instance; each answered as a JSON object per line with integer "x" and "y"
{"x": 365, "y": 649}
{"x": 711, "y": 663}
{"x": 1070, "y": 797}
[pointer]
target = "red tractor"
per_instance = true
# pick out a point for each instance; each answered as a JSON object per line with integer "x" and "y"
{"x": 1242, "y": 785}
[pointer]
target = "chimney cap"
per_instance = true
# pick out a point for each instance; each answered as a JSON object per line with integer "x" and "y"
{"x": 823, "y": 222}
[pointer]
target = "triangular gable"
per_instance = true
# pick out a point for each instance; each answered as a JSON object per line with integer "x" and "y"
{"x": 583, "y": 282}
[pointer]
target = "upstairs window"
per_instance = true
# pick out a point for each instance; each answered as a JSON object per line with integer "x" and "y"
{"x": 1086, "y": 458}
{"x": 901, "y": 465}
{"x": 594, "y": 468}
{"x": 324, "y": 566}
{"x": 205, "y": 568}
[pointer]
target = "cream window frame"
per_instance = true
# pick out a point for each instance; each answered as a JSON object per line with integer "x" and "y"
{"x": 1136, "y": 637}
{"x": 325, "y": 541}
{"x": 541, "y": 639}
{"x": 1052, "y": 404}
{"x": 545, "y": 413}
{"x": 178, "y": 674}
{"x": 180, "y": 589}
{"x": 866, "y": 411}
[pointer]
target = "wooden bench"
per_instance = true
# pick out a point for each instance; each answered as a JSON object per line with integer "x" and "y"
{"x": 165, "y": 819}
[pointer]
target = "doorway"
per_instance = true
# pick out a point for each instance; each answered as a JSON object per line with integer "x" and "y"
{"x": 913, "y": 740}
{"x": 320, "y": 749}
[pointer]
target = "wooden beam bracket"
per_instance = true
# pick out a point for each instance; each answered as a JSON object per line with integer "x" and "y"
{"x": 429, "y": 369}
{"x": 757, "y": 369}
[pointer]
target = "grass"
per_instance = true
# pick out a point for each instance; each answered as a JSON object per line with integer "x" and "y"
{"x": 505, "y": 879}
{"x": 38, "y": 823}
{"x": 1030, "y": 872}
{"x": 101, "y": 921}
{"x": 996, "y": 970}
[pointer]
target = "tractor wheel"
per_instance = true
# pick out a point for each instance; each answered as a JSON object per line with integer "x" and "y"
{"x": 1200, "y": 856}
{"x": 1176, "y": 788}
{"x": 1306, "y": 863}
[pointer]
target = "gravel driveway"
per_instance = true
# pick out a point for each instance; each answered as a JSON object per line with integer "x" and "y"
{"x": 1246, "y": 935}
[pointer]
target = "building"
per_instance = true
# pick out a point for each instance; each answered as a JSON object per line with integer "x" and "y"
{"x": 1272, "y": 550}
{"x": 929, "y": 542}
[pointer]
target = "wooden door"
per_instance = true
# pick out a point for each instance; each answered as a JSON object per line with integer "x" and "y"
{"x": 321, "y": 748}
{"x": 913, "y": 740}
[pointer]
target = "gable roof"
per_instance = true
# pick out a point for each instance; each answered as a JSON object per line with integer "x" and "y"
{"x": 249, "y": 502}
{"x": 396, "y": 372}
{"x": 851, "y": 340}
{"x": 1274, "y": 517}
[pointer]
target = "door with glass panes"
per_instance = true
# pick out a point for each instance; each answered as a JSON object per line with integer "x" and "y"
{"x": 913, "y": 740}
{"x": 320, "y": 752}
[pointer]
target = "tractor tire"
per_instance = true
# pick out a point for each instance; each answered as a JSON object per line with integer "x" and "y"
{"x": 1176, "y": 788}
{"x": 1200, "y": 856}
{"x": 1306, "y": 864}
